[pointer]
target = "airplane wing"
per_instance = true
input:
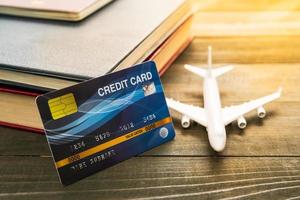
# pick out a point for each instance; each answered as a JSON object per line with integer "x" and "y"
{"x": 234, "y": 112}
{"x": 195, "y": 113}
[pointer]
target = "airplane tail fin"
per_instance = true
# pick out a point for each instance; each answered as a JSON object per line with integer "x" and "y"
{"x": 209, "y": 62}
{"x": 209, "y": 72}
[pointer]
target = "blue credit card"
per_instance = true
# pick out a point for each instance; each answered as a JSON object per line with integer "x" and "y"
{"x": 98, "y": 123}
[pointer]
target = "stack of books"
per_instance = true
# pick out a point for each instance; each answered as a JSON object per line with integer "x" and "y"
{"x": 41, "y": 55}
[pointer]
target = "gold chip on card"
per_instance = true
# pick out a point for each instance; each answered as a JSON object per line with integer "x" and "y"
{"x": 62, "y": 106}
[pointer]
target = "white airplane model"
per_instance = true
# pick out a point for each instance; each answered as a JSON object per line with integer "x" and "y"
{"x": 213, "y": 116}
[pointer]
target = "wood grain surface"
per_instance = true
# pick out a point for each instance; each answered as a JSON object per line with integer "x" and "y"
{"x": 262, "y": 40}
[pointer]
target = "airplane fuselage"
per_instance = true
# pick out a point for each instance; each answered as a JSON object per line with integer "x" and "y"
{"x": 212, "y": 104}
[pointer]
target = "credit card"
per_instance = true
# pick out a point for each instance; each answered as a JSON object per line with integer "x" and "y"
{"x": 101, "y": 122}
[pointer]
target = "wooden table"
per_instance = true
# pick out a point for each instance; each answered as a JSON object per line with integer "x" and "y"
{"x": 262, "y": 40}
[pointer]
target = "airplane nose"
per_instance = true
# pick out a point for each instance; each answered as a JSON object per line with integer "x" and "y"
{"x": 218, "y": 147}
{"x": 218, "y": 141}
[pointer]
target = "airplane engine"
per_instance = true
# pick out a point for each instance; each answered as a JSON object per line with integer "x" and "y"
{"x": 185, "y": 121}
{"x": 261, "y": 112}
{"x": 241, "y": 122}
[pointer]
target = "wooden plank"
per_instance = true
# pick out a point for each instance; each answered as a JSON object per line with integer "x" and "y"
{"x": 243, "y": 50}
{"x": 246, "y": 5}
{"x": 19, "y": 142}
{"x": 251, "y": 23}
{"x": 156, "y": 178}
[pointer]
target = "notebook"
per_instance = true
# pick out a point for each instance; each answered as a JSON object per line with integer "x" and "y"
{"x": 122, "y": 34}
{"x": 163, "y": 56}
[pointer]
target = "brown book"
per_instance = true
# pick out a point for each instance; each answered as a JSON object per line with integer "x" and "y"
{"x": 18, "y": 108}
{"x": 74, "y": 10}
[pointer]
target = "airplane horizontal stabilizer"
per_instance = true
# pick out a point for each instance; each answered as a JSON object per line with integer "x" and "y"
{"x": 205, "y": 73}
